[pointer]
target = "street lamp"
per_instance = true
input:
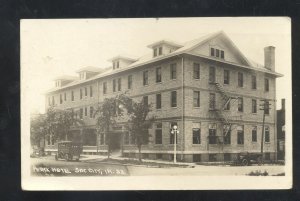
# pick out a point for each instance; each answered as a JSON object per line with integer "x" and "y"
{"x": 175, "y": 131}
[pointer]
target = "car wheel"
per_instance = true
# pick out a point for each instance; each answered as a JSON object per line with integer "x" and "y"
{"x": 67, "y": 157}
{"x": 259, "y": 160}
{"x": 245, "y": 162}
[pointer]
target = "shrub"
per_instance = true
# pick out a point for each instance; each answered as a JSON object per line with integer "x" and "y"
{"x": 258, "y": 173}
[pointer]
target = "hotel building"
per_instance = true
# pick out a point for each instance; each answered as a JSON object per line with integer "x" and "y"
{"x": 206, "y": 86}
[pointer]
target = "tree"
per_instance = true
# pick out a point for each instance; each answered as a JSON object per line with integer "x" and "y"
{"x": 106, "y": 117}
{"x": 139, "y": 120}
{"x": 37, "y": 132}
{"x": 55, "y": 123}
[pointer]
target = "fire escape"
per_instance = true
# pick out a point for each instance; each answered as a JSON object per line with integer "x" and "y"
{"x": 221, "y": 114}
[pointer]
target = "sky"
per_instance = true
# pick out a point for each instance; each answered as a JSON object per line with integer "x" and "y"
{"x": 51, "y": 48}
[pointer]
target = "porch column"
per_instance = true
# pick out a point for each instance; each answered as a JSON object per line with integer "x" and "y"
{"x": 97, "y": 139}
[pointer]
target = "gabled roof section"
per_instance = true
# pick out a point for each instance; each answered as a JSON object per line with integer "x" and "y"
{"x": 189, "y": 46}
{"x": 168, "y": 42}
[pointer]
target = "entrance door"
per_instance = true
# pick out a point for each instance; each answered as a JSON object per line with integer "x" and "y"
{"x": 115, "y": 141}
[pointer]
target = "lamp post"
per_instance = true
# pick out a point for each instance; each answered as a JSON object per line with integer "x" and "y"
{"x": 175, "y": 131}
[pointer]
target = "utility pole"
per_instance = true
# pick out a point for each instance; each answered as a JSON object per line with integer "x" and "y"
{"x": 265, "y": 106}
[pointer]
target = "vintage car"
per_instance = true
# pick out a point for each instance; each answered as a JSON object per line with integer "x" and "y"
{"x": 246, "y": 158}
{"x": 68, "y": 150}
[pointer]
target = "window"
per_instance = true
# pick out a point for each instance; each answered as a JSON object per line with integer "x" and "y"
{"x": 158, "y": 133}
{"x": 85, "y": 91}
{"x": 60, "y": 99}
{"x": 155, "y": 52}
{"x": 145, "y": 100}
{"x": 172, "y": 135}
{"x": 267, "y": 156}
{"x": 81, "y": 76}
{"x": 240, "y": 80}
{"x": 212, "y": 52}
{"x": 226, "y": 76}
{"x": 81, "y": 113}
{"x": 114, "y": 85}
{"x": 53, "y": 100}
{"x": 240, "y": 105}
{"x": 266, "y": 84}
{"x": 158, "y": 101}
{"x": 72, "y": 95}
{"x": 173, "y": 71}
{"x": 267, "y": 108}
{"x": 212, "y": 74}
{"x": 65, "y": 96}
{"x": 227, "y": 157}
{"x": 160, "y": 51}
{"x": 174, "y": 99}
{"x": 196, "y": 74}
{"x": 145, "y": 78}
{"x": 240, "y": 135}
{"x": 222, "y": 54}
{"x": 196, "y": 133}
{"x": 267, "y": 134}
{"x": 227, "y": 134}
{"x": 104, "y": 87}
{"x": 158, "y": 74}
{"x": 217, "y": 53}
{"x": 196, "y": 157}
{"x": 91, "y": 112}
{"x": 129, "y": 81}
{"x": 49, "y": 101}
{"x": 212, "y": 101}
{"x": 85, "y": 111}
{"x": 253, "y": 82}
{"x": 80, "y": 93}
{"x": 115, "y": 64}
{"x": 91, "y": 91}
{"x": 254, "y": 134}
{"x": 119, "y": 84}
{"x": 196, "y": 99}
{"x": 254, "y": 106}
{"x": 212, "y": 133}
{"x": 158, "y": 156}
{"x": 212, "y": 157}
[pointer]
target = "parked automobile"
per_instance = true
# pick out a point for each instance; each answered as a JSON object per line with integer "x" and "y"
{"x": 68, "y": 150}
{"x": 246, "y": 158}
{"x": 37, "y": 152}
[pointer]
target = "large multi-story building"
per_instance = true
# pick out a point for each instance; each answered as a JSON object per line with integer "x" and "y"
{"x": 206, "y": 86}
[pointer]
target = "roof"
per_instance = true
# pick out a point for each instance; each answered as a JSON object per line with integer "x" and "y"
{"x": 146, "y": 59}
{"x": 89, "y": 69}
{"x": 66, "y": 77}
{"x": 125, "y": 57}
{"x": 168, "y": 42}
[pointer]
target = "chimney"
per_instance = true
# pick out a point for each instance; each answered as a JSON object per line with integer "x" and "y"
{"x": 270, "y": 58}
{"x": 283, "y": 104}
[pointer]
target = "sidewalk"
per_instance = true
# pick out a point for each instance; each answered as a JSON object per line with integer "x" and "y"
{"x": 99, "y": 158}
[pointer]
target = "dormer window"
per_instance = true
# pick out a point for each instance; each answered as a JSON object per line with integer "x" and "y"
{"x": 116, "y": 64}
{"x": 214, "y": 52}
{"x": 57, "y": 83}
{"x": 81, "y": 76}
{"x": 163, "y": 47}
{"x": 157, "y": 51}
